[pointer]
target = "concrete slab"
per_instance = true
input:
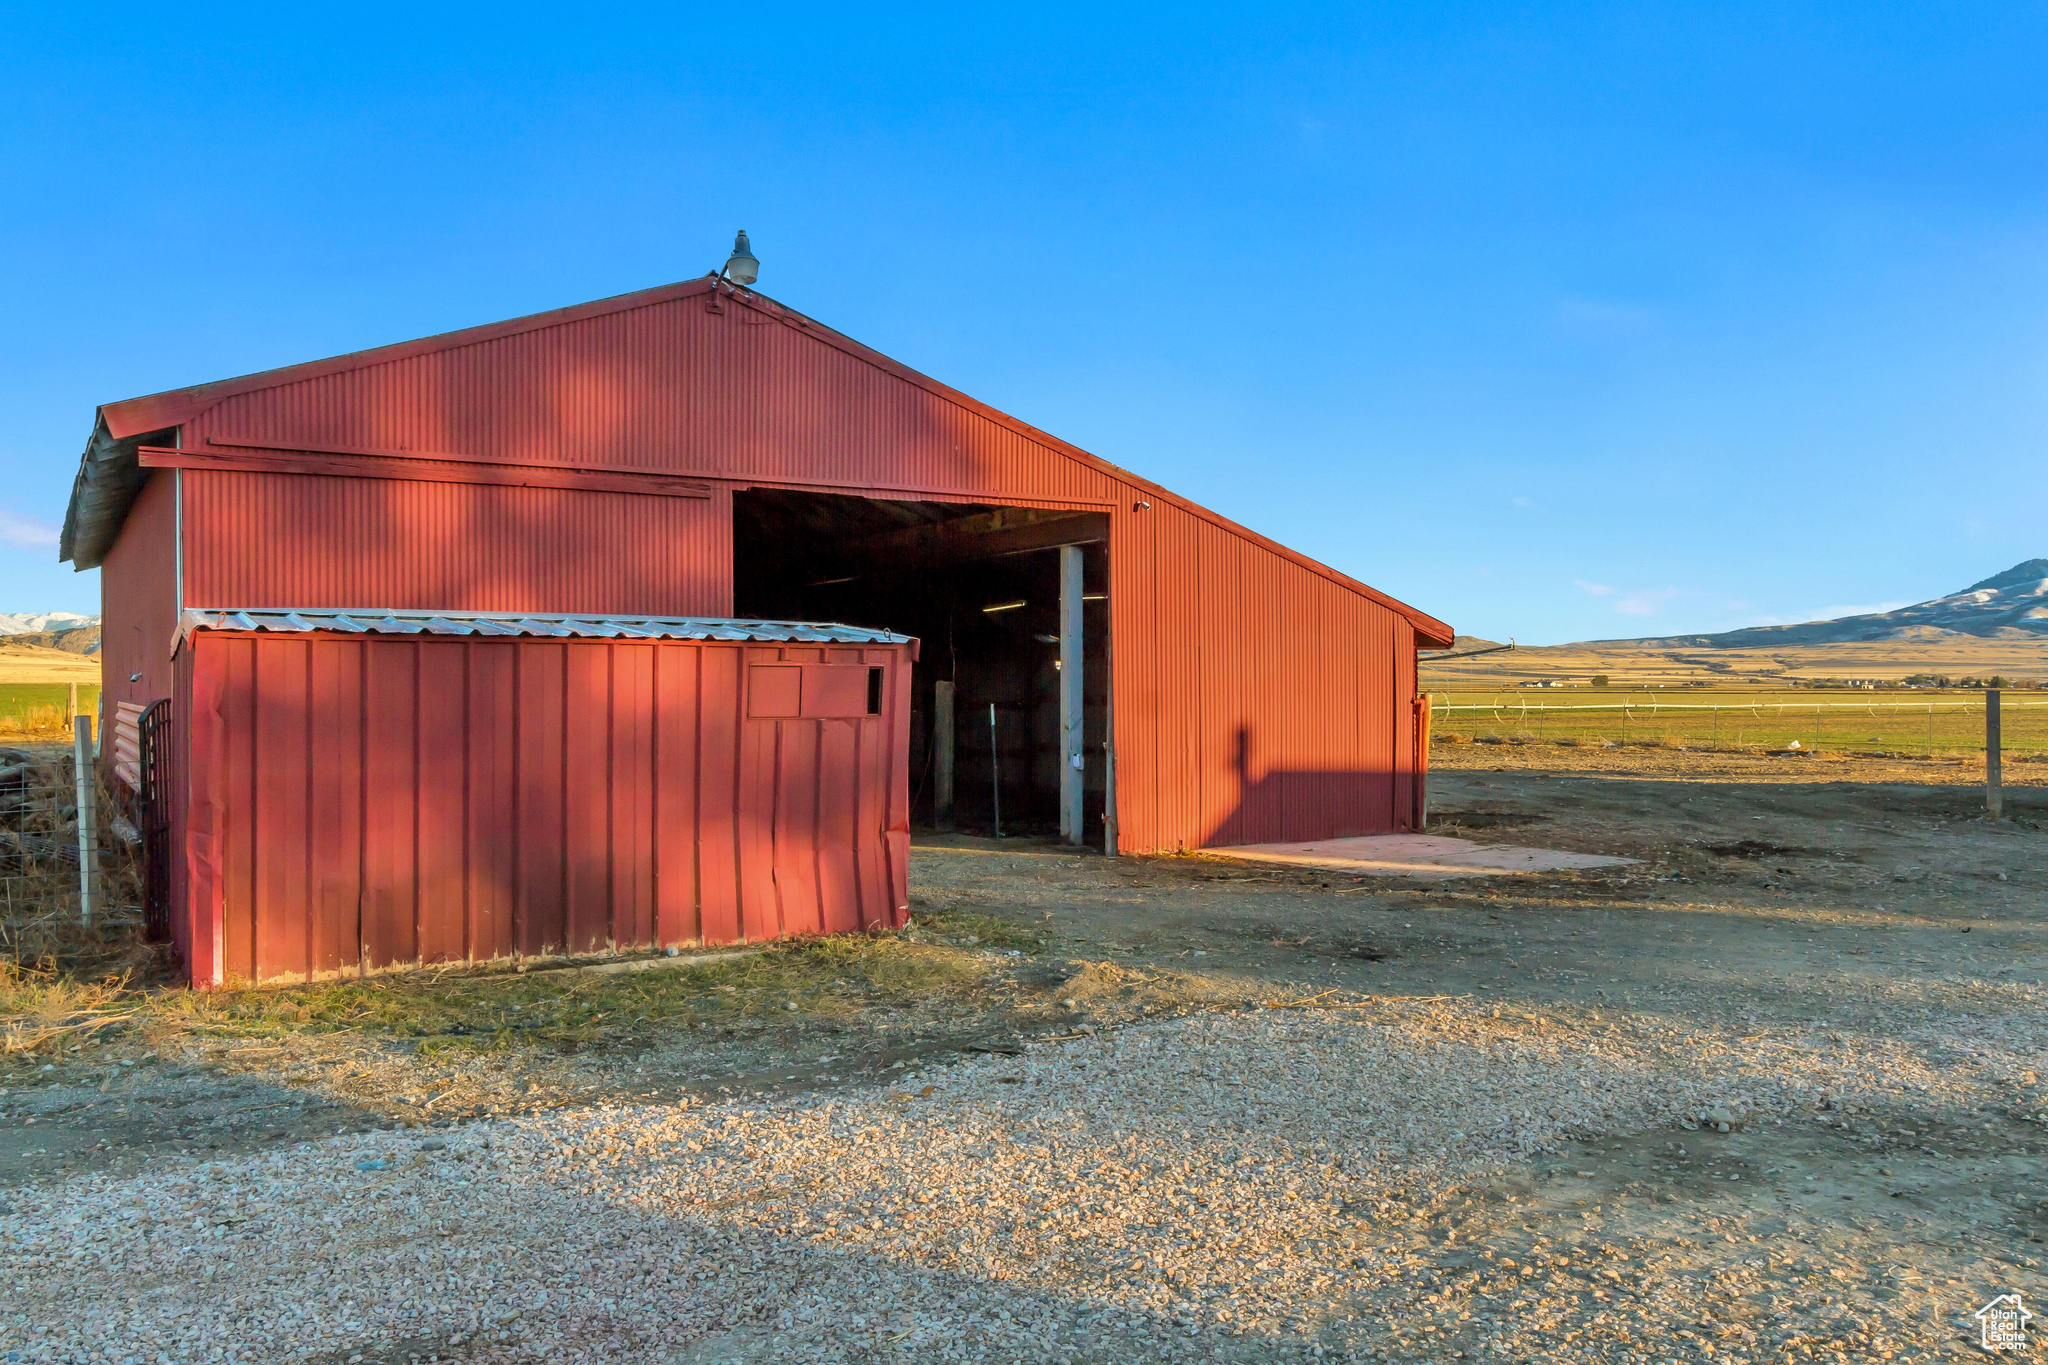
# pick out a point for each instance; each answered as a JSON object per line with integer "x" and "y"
{"x": 1416, "y": 855}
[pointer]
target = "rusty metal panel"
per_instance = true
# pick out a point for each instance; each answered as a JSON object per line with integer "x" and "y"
{"x": 369, "y": 801}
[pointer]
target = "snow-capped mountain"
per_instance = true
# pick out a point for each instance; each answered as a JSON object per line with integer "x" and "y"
{"x": 32, "y": 622}
{"x": 2009, "y": 606}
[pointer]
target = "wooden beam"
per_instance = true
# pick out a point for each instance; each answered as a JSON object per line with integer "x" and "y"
{"x": 1012, "y": 531}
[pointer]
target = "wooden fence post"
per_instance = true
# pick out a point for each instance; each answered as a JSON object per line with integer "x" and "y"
{"x": 1994, "y": 800}
{"x": 87, "y": 789}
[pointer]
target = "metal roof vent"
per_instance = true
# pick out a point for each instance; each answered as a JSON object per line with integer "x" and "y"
{"x": 742, "y": 268}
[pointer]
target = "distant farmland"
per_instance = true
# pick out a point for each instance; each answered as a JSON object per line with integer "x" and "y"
{"x": 1944, "y": 723}
{"x": 43, "y": 706}
{"x": 1957, "y": 656}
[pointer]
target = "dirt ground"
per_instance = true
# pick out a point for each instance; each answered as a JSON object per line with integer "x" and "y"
{"x": 1852, "y": 932}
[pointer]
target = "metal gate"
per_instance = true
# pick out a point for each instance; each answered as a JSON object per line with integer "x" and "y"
{"x": 156, "y": 789}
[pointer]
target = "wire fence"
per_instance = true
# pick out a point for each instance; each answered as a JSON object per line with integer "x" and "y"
{"x": 1919, "y": 727}
{"x": 39, "y": 857}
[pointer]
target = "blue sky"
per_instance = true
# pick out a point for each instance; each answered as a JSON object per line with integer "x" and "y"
{"x": 1560, "y": 322}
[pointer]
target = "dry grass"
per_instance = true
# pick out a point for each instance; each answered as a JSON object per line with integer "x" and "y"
{"x": 44, "y": 1009}
{"x": 36, "y": 722}
{"x": 497, "y": 1007}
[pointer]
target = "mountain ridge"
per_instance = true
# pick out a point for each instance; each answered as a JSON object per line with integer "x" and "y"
{"x": 38, "y": 622}
{"x": 2011, "y": 605}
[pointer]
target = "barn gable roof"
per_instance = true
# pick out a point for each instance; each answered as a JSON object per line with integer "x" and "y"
{"x": 110, "y": 475}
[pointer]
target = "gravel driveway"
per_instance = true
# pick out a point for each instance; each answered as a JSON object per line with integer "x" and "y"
{"x": 1465, "y": 1125}
{"x": 1272, "y": 1184}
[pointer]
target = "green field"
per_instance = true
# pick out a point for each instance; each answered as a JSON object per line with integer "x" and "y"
{"x": 43, "y": 705}
{"x": 1946, "y": 722}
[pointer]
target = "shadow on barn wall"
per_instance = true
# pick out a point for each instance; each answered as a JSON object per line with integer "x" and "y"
{"x": 1286, "y": 804}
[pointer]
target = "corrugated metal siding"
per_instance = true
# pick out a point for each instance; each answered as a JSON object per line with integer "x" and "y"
{"x": 664, "y": 387}
{"x": 139, "y": 597}
{"x": 1214, "y": 633}
{"x": 296, "y": 540}
{"x": 361, "y": 802}
{"x": 1296, "y": 730}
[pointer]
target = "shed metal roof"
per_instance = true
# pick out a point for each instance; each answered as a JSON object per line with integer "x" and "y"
{"x": 531, "y": 623}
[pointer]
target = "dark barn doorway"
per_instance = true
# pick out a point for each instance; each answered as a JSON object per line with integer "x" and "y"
{"x": 981, "y": 587}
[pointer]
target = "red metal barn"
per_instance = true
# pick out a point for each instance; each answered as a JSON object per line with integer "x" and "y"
{"x": 1098, "y": 656}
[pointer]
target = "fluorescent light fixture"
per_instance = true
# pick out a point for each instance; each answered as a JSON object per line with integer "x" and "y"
{"x": 1094, "y": 597}
{"x": 1005, "y": 606}
{"x": 828, "y": 582}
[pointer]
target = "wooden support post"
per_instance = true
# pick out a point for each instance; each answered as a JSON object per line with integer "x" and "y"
{"x": 1073, "y": 681}
{"x": 74, "y": 699}
{"x": 1994, "y": 800}
{"x": 87, "y": 789}
{"x": 942, "y": 755}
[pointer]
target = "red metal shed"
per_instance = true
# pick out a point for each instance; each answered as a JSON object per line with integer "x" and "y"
{"x": 1103, "y": 656}
{"x": 364, "y": 790}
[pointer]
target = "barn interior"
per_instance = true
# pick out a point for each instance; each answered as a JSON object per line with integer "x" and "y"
{"x": 981, "y": 587}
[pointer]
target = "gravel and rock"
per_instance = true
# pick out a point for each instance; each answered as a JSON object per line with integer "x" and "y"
{"x": 1771, "y": 1121}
